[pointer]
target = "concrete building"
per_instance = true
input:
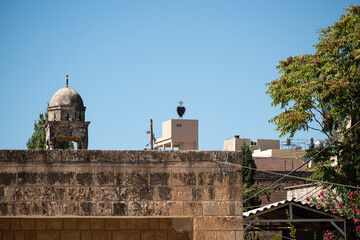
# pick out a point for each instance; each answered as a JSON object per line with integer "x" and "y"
{"x": 265, "y": 165}
{"x": 268, "y": 158}
{"x": 179, "y": 133}
{"x": 236, "y": 143}
{"x": 279, "y": 153}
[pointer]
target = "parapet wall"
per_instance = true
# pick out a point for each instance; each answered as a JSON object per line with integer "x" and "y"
{"x": 125, "y": 184}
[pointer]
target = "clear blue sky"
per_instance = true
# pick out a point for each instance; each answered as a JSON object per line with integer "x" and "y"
{"x": 135, "y": 60}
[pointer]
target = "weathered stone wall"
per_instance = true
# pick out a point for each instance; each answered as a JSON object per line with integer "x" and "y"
{"x": 168, "y": 184}
{"x": 90, "y": 229}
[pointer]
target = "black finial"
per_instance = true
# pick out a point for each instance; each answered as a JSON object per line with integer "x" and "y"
{"x": 181, "y": 109}
{"x": 67, "y": 81}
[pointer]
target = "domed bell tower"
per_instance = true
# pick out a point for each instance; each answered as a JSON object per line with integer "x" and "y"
{"x": 66, "y": 119}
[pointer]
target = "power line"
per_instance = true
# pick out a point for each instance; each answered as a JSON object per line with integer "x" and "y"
{"x": 287, "y": 175}
{"x": 315, "y": 188}
{"x": 308, "y": 160}
{"x": 269, "y": 185}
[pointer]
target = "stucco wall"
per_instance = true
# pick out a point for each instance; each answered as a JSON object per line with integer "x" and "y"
{"x": 279, "y": 164}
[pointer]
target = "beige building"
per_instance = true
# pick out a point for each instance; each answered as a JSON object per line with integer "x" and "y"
{"x": 236, "y": 143}
{"x": 179, "y": 133}
{"x": 269, "y": 157}
{"x": 279, "y": 153}
{"x": 263, "y": 148}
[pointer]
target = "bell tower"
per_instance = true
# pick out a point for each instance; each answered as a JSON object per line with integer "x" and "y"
{"x": 66, "y": 121}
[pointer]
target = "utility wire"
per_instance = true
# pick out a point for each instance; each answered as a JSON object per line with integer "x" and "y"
{"x": 315, "y": 188}
{"x": 308, "y": 160}
{"x": 287, "y": 175}
{"x": 297, "y": 199}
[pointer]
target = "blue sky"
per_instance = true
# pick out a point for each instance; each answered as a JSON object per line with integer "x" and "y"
{"x": 135, "y": 60}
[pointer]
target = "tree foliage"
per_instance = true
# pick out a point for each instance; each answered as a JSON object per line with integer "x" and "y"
{"x": 321, "y": 91}
{"x": 324, "y": 89}
{"x": 249, "y": 184}
{"x": 38, "y": 138}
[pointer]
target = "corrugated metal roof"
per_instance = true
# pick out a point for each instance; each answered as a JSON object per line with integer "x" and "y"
{"x": 260, "y": 209}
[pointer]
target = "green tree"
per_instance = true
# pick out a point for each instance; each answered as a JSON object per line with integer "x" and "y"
{"x": 324, "y": 89}
{"x": 321, "y": 91}
{"x": 250, "y": 186}
{"x": 38, "y": 138}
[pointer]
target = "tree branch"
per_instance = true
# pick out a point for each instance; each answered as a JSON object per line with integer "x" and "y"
{"x": 321, "y": 113}
{"x": 316, "y": 129}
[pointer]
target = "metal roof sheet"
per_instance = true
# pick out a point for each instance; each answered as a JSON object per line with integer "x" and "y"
{"x": 260, "y": 209}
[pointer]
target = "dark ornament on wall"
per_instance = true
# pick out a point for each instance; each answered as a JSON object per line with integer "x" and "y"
{"x": 180, "y": 109}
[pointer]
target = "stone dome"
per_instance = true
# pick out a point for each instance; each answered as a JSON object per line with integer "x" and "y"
{"x": 66, "y": 119}
{"x": 66, "y": 97}
{"x": 66, "y": 105}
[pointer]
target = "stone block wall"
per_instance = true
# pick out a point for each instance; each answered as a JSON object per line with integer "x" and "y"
{"x": 118, "y": 184}
{"x": 90, "y": 229}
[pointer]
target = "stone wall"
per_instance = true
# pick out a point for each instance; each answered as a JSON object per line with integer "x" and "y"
{"x": 91, "y": 229}
{"x": 118, "y": 184}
